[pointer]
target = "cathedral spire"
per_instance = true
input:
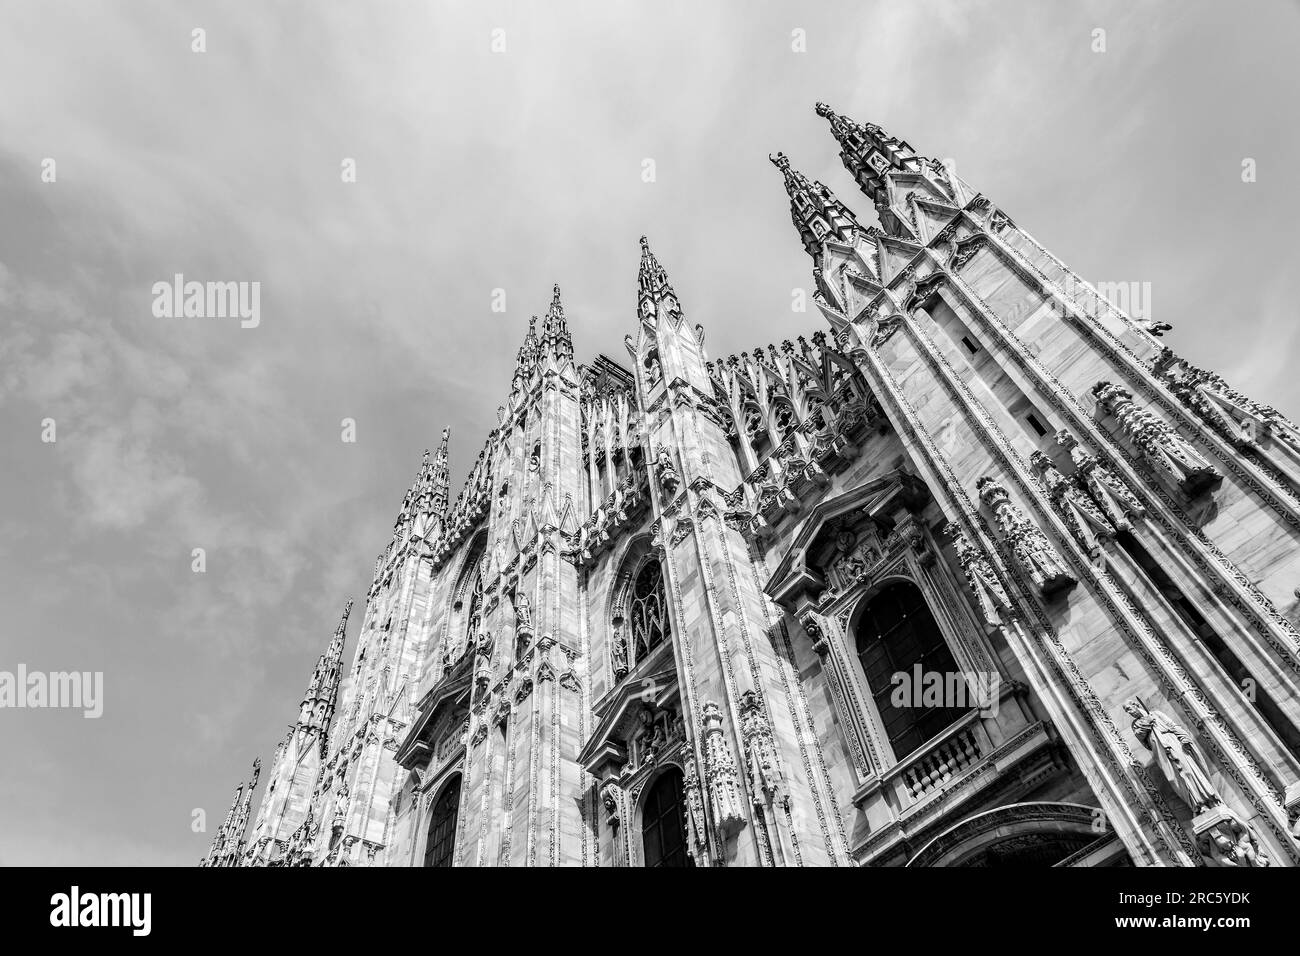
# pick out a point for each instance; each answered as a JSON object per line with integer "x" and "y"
{"x": 654, "y": 290}
{"x": 217, "y": 849}
{"x": 228, "y": 843}
{"x": 528, "y": 350}
{"x": 428, "y": 493}
{"x": 319, "y": 701}
{"x": 235, "y": 836}
{"x": 867, "y": 151}
{"x": 816, "y": 213}
{"x": 440, "y": 478}
{"x": 556, "y": 339}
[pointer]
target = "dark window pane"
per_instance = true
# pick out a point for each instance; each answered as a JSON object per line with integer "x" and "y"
{"x": 895, "y": 633}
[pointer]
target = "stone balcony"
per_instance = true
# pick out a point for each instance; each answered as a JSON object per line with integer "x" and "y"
{"x": 978, "y": 758}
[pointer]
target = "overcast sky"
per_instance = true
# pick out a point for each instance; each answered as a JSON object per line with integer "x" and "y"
{"x": 479, "y": 171}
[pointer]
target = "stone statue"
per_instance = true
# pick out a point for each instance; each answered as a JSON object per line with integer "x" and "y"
{"x": 1108, "y": 490}
{"x": 1176, "y": 755}
{"x": 523, "y": 613}
{"x": 990, "y": 595}
{"x": 1033, "y": 551}
{"x": 1167, "y": 452}
{"x": 1081, "y": 515}
{"x": 668, "y": 477}
{"x": 618, "y": 654}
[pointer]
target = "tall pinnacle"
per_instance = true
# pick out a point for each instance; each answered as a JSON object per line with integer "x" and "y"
{"x": 440, "y": 478}
{"x": 217, "y": 850}
{"x": 319, "y": 701}
{"x": 555, "y": 329}
{"x": 653, "y": 288}
{"x": 816, "y": 213}
{"x": 867, "y": 152}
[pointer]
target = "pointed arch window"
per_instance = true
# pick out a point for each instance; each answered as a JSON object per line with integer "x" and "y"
{"x": 467, "y": 607}
{"x": 474, "y": 605}
{"x": 649, "y": 610}
{"x": 897, "y": 634}
{"x": 663, "y": 822}
{"x": 440, "y": 848}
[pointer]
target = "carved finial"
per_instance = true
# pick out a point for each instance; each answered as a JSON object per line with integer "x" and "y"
{"x": 780, "y": 162}
{"x": 823, "y": 109}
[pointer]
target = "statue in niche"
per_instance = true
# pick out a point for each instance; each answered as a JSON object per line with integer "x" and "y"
{"x": 618, "y": 653}
{"x": 523, "y": 613}
{"x": 1176, "y": 755}
{"x": 668, "y": 477}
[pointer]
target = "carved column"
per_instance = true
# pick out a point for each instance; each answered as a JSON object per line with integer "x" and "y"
{"x": 1032, "y": 551}
{"x": 990, "y": 596}
{"x": 766, "y": 780}
{"x": 697, "y": 828}
{"x": 1172, "y": 457}
{"x": 720, "y": 773}
{"x": 1081, "y": 515}
{"x": 1109, "y": 492}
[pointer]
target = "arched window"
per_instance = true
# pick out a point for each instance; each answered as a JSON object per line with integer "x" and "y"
{"x": 649, "y": 610}
{"x": 473, "y": 602}
{"x": 466, "y": 606}
{"x": 663, "y": 822}
{"x": 440, "y": 848}
{"x": 895, "y": 633}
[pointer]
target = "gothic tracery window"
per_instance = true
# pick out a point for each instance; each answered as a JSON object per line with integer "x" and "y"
{"x": 896, "y": 634}
{"x": 468, "y": 608}
{"x": 439, "y": 849}
{"x": 649, "y": 610}
{"x": 663, "y": 822}
{"x": 785, "y": 419}
{"x": 474, "y": 604}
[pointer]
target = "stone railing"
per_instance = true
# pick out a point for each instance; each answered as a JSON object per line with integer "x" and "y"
{"x": 936, "y": 767}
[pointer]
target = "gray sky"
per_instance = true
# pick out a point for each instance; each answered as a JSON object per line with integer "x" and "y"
{"x": 478, "y": 171}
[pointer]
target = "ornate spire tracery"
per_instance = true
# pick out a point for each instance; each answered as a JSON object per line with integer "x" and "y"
{"x": 654, "y": 291}
{"x": 322, "y": 693}
{"x": 867, "y": 152}
{"x": 817, "y": 214}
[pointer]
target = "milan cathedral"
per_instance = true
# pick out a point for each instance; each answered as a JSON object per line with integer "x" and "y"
{"x": 979, "y": 574}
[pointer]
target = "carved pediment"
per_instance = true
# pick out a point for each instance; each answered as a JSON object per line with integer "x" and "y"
{"x": 442, "y": 711}
{"x": 632, "y": 721}
{"x": 843, "y": 537}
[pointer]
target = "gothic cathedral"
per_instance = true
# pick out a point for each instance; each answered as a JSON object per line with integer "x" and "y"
{"x": 980, "y": 574}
